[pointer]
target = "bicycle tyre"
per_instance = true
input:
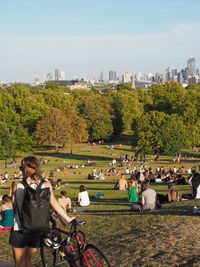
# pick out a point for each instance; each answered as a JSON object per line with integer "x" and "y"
{"x": 94, "y": 256}
{"x": 48, "y": 256}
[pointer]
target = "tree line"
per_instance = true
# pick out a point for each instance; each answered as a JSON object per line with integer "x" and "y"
{"x": 162, "y": 119}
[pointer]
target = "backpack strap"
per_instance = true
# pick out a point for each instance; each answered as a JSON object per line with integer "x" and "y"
{"x": 41, "y": 183}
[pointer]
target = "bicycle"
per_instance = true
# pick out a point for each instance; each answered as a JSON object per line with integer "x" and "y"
{"x": 72, "y": 249}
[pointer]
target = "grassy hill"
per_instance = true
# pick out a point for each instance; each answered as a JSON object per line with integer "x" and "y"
{"x": 165, "y": 237}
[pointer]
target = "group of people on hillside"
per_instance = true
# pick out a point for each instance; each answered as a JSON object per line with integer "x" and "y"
{"x": 148, "y": 199}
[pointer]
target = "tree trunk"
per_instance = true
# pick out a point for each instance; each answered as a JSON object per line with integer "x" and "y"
{"x": 5, "y": 163}
{"x": 56, "y": 148}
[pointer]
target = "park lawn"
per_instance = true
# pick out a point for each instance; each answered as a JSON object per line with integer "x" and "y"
{"x": 167, "y": 237}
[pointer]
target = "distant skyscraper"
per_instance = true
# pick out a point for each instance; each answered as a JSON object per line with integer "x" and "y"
{"x": 101, "y": 76}
{"x": 138, "y": 76}
{"x": 158, "y": 77}
{"x": 62, "y": 75}
{"x": 59, "y": 75}
{"x": 174, "y": 74}
{"x": 49, "y": 77}
{"x": 180, "y": 77}
{"x": 167, "y": 75}
{"x": 112, "y": 75}
{"x": 191, "y": 65}
{"x": 187, "y": 72}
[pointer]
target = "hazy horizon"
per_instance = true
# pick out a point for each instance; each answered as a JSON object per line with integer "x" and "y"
{"x": 83, "y": 38}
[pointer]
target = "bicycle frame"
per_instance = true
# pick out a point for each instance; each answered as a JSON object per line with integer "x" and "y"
{"x": 78, "y": 241}
{"x": 80, "y": 251}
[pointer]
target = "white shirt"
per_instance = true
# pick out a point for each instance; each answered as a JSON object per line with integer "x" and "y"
{"x": 84, "y": 198}
{"x": 198, "y": 192}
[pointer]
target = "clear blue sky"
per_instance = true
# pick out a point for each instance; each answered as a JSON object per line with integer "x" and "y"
{"x": 83, "y": 37}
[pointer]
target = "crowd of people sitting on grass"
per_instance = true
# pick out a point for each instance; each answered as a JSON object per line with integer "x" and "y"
{"x": 140, "y": 195}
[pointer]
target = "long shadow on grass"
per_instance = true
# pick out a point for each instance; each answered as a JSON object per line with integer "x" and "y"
{"x": 190, "y": 262}
{"x": 89, "y": 183}
{"x": 96, "y": 189}
{"x": 73, "y": 156}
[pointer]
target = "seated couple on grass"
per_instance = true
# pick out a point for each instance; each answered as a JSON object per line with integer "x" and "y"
{"x": 149, "y": 200}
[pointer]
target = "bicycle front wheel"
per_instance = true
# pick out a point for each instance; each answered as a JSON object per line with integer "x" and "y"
{"x": 93, "y": 257}
{"x": 48, "y": 256}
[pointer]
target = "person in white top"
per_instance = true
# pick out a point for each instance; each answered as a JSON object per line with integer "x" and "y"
{"x": 83, "y": 198}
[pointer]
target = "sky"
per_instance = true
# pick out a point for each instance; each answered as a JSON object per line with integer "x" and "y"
{"x": 84, "y": 37}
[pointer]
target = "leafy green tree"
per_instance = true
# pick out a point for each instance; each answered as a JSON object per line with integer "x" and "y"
{"x": 97, "y": 113}
{"x": 168, "y": 98}
{"x": 158, "y": 133}
{"x": 53, "y": 129}
{"x": 173, "y": 135}
{"x": 192, "y": 122}
{"x": 59, "y": 99}
{"x": 124, "y": 86}
{"x": 77, "y": 128}
{"x": 126, "y": 108}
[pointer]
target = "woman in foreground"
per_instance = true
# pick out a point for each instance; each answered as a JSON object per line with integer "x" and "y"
{"x": 26, "y": 244}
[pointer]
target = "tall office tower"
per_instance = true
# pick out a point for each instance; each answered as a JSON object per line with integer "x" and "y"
{"x": 57, "y": 74}
{"x": 139, "y": 76}
{"x": 174, "y": 74}
{"x": 187, "y": 72}
{"x": 127, "y": 77}
{"x": 49, "y": 77}
{"x": 149, "y": 75}
{"x": 158, "y": 77}
{"x": 62, "y": 75}
{"x": 180, "y": 77}
{"x": 167, "y": 75}
{"x": 191, "y": 65}
{"x": 183, "y": 73}
{"x": 197, "y": 71}
{"x": 112, "y": 75}
{"x": 101, "y": 76}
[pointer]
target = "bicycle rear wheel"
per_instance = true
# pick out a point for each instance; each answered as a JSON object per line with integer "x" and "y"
{"x": 48, "y": 256}
{"x": 93, "y": 257}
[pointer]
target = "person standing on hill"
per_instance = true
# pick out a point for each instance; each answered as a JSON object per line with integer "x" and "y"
{"x": 23, "y": 241}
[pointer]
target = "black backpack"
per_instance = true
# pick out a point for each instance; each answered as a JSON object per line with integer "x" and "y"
{"x": 35, "y": 211}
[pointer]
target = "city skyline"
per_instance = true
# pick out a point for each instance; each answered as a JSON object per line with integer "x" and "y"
{"x": 83, "y": 38}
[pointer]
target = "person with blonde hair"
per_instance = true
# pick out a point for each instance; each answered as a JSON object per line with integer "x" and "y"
{"x": 133, "y": 191}
{"x": 173, "y": 195}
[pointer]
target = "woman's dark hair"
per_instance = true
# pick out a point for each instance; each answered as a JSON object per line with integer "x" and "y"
{"x": 195, "y": 183}
{"x": 82, "y": 188}
{"x": 171, "y": 187}
{"x": 32, "y": 164}
{"x": 6, "y": 198}
{"x": 63, "y": 193}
